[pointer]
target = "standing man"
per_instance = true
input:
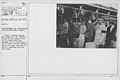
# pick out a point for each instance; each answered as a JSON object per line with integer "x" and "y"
{"x": 89, "y": 35}
{"x": 82, "y": 35}
{"x": 100, "y": 34}
{"x": 111, "y": 30}
{"x": 70, "y": 33}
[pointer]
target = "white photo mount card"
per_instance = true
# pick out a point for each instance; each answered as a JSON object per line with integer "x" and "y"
{"x": 55, "y": 40}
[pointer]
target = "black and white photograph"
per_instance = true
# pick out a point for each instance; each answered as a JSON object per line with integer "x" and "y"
{"x": 86, "y": 25}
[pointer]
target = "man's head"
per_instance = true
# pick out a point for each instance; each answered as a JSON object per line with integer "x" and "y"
{"x": 65, "y": 20}
{"x": 70, "y": 20}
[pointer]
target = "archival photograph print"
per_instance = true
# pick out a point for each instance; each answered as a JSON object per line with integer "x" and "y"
{"x": 86, "y": 25}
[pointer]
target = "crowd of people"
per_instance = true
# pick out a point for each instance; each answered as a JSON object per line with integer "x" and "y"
{"x": 89, "y": 33}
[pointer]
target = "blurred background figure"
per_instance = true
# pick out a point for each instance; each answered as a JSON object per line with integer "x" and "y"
{"x": 71, "y": 33}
